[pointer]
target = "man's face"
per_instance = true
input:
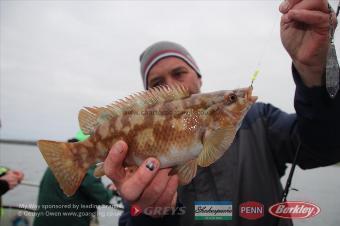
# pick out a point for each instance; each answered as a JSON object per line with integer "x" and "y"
{"x": 172, "y": 70}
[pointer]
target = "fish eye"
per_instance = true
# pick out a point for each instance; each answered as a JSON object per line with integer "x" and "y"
{"x": 232, "y": 98}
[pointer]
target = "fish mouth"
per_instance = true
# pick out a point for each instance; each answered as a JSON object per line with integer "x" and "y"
{"x": 248, "y": 95}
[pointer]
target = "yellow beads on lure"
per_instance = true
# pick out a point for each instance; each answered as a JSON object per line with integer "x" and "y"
{"x": 254, "y": 77}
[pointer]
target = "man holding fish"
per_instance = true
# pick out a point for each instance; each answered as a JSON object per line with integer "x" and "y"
{"x": 251, "y": 168}
{"x": 171, "y": 146}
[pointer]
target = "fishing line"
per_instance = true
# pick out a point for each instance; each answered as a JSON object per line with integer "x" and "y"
{"x": 264, "y": 52}
{"x": 294, "y": 163}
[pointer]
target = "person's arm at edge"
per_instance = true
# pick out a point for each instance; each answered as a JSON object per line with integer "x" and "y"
{"x": 95, "y": 190}
{"x": 318, "y": 120}
{"x": 4, "y": 187}
{"x": 315, "y": 125}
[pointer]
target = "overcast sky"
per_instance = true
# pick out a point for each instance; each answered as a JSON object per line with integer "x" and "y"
{"x": 58, "y": 56}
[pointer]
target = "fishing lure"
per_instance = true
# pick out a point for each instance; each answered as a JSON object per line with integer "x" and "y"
{"x": 332, "y": 65}
{"x": 254, "y": 76}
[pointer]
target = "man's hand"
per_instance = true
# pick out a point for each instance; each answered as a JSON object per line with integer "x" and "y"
{"x": 305, "y": 35}
{"x": 147, "y": 186}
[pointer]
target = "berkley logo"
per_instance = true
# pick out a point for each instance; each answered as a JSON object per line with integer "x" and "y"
{"x": 251, "y": 210}
{"x": 294, "y": 210}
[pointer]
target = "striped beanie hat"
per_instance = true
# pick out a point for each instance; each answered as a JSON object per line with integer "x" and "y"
{"x": 161, "y": 50}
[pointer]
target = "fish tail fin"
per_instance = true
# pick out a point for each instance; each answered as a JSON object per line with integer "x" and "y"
{"x": 64, "y": 165}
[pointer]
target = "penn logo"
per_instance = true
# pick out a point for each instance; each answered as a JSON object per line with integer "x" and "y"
{"x": 251, "y": 210}
{"x": 294, "y": 210}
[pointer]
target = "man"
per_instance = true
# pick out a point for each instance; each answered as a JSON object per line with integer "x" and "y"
{"x": 251, "y": 168}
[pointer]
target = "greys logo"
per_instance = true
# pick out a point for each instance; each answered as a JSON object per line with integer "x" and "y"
{"x": 137, "y": 210}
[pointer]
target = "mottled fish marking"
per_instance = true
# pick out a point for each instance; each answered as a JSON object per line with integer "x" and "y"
{"x": 181, "y": 130}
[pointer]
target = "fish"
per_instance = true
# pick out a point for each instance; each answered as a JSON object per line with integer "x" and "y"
{"x": 182, "y": 130}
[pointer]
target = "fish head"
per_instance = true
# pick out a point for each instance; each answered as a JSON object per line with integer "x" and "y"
{"x": 229, "y": 107}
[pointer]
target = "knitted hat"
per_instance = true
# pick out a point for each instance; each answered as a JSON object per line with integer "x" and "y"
{"x": 161, "y": 50}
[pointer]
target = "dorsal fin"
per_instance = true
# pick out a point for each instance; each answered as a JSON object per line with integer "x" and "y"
{"x": 91, "y": 118}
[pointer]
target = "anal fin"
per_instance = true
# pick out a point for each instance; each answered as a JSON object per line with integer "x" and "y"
{"x": 185, "y": 172}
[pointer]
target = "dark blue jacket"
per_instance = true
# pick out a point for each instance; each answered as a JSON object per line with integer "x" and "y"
{"x": 251, "y": 168}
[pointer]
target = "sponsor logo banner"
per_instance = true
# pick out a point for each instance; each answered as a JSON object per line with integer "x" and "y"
{"x": 294, "y": 210}
{"x": 251, "y": 210}
{"x": 213, "y": 210}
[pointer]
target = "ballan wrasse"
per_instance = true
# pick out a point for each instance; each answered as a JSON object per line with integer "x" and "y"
{"x": 182, "y": 131}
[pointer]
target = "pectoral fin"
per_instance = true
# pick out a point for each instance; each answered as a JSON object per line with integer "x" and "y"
{"x": 185, "y": 172}
{"x": 215, "y": 143}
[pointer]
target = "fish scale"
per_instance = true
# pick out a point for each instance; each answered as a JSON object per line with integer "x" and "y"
{"x": 182, "y": 131}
